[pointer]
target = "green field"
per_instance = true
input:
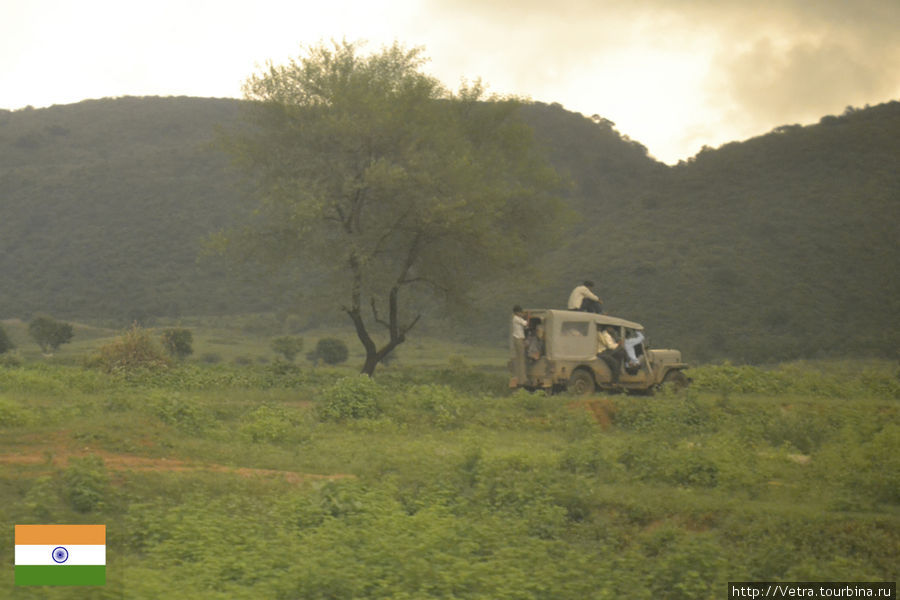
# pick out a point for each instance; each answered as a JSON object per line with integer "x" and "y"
{"x": 247, "y": 340}
{"x": 434, "y": 481}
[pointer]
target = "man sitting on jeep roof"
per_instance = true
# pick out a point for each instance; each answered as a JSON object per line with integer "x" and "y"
{"x": 583, "y": 299}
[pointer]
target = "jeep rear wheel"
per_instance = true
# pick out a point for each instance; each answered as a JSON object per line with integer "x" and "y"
{"x": 581, "y": 383}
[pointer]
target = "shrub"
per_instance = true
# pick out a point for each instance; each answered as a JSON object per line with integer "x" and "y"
{"x": 10, "y": 359}
{"x": 178, "y": 342}
{"x": 684, "y": 465}
{"x": 288, "y": 346}
{"x": 49, "y": 333}
{"x": 587, "y": 457}
{"x": 211, "y": 358}
{"x": 877, "y": 466}
{"x": 350, "y": 398}
{"x": 42, "y": 499}
{"x": 12, "y": 414}
{"x": 266, "y": 424}
{"x": 5, "y": 343}
{"x": 439, "y": 402}
{"x": 184, "y": 414}
{"x": 676, "y": 416}
{"x": 331, "y": 351}
{"x": 135, "y": 349}
{"x": 85, "y": 483}
{"x": 801, "y": 430}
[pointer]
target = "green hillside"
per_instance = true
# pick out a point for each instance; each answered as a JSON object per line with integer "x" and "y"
{"x": 105, "y": 204}
{"x": 785, "y": 245}
{"x": 778, "y": 247}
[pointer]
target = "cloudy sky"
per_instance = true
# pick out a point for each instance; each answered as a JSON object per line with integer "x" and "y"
{"x": 674, "y": 75}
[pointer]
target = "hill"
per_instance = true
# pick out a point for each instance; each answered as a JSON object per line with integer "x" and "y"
{"x": 105, "y": 204}
{"x": 777, "y": 247}
{"x": 781, "y": 246}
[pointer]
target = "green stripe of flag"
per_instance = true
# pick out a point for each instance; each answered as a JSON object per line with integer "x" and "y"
{"x": 60, "y": 574}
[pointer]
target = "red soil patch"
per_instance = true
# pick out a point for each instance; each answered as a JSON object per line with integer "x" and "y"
{"x": 602, "y": 409}
{"x": 124, "y": 462}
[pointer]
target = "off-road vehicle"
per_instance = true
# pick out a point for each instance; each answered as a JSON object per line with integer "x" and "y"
{"x": 568, "y": 359}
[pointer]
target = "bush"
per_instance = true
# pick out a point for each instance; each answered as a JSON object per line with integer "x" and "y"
{"x": 85, "y": 483}
{"x": 185, "y": 414}
{"x": 178, "y": 342}
{"x": 12, "y": 414}
{"x": 211, "y": 358}
{"x": 288, "y": 346}
{"x": 135, "y": 349}
{"x": 350, "y": 398}
{"x": 266, "y": 424}
{"x": 10, "y": 359}
{"x": 5, "y": 343}
{"x": 331, "y": 351}
{"x": 439, "y": 403}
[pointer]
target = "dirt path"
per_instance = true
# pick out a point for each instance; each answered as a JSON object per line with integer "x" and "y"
{"x": 29, "y": 455}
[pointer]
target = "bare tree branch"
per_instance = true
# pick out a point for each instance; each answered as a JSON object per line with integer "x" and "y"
{"x": 376, "y": 317}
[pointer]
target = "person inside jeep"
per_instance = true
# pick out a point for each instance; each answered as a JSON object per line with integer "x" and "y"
{"x": 534, "y": 339}
{"x": 610, "y": 350}
{"x": 633, "y": 350}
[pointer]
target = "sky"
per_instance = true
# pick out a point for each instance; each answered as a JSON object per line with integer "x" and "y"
{"x": 674, "y": 75}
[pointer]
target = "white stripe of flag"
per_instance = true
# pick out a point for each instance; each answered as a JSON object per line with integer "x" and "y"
{"x": 27, "y": 554}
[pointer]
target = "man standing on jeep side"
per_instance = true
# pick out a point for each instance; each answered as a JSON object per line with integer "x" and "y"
{"x": 583, "y": 299}
{"x": 520, "y": 377}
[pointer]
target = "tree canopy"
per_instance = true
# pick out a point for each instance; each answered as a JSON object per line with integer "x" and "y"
{"x": 389, "y": 182}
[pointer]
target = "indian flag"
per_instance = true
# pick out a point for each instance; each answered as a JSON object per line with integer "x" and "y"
{"x": 60, "y": 554}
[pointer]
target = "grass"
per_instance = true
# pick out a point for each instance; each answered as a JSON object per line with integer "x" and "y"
{"x": 224, "y": 481}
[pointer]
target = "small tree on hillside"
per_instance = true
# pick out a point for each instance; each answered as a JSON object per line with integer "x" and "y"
{"x": 49, "y": 333}
{"x": 288, "y": 346}
{"x": 178, "y": 342}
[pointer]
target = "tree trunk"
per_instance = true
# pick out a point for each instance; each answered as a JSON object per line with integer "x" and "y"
{"x": 375, "y": 355}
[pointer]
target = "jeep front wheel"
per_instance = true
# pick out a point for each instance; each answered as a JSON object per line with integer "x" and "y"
{"x": 581, "y": 383}
{"x": 675, "y": 380}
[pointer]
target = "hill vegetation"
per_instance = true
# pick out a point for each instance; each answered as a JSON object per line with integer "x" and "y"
{"x": 779, "y": 247}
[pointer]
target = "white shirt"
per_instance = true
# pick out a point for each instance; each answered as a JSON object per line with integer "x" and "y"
{"x": 579, "y": 294}
{"x": 630, "y": 343}
{"x": 518, "y": 327}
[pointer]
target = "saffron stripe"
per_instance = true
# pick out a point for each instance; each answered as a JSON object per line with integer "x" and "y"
{"x": 60, "y": 575}
{"x": 60, "y": 535}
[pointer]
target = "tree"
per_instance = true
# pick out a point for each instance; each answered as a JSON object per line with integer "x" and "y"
{"x": 288, "y": 346}
{"x": 49, "y": 333}
{"x": 178, "y": 342}
{"x": 385, "y": 181}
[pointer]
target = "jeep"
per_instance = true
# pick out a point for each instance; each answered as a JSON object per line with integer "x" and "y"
{"x": 568, "y": 360}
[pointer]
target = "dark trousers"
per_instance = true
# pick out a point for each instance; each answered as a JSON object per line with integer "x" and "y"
{"x": 588, "y": 305}
{"x": 613, "y": 360}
